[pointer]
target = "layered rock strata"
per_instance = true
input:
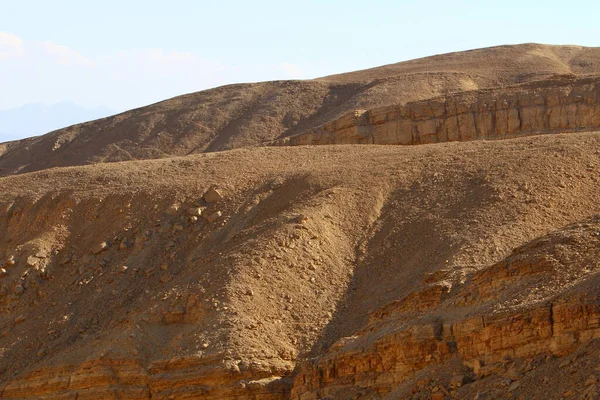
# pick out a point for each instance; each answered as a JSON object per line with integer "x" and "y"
{"x": 552, "y": 106}
{"x": 514, "y": 309}
{"x": 183, "y": 378}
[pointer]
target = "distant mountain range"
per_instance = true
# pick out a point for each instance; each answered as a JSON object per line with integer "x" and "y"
{"x": 37, "y": 119}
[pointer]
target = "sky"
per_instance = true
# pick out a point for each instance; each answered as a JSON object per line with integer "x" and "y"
{"x": 128, "y": 53}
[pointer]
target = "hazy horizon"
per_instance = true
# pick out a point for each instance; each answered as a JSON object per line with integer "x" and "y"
{"x": 34, "y": 119}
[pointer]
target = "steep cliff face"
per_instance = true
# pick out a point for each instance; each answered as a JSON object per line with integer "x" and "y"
{"x": 552, "y": 106}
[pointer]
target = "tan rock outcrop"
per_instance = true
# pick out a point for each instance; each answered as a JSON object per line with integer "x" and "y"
{"x": 552, "y": 106}
{"x": 182, "y": 378}
{"x": 403, "y": 338}
{"x": 380, "y": 361}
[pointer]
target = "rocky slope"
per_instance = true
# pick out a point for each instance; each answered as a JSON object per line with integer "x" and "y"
{"x": 549, "y": 106}
{"x": 458, "y": 269}
{"x": 541, "y": 301}
{"x": 249, "y": 114}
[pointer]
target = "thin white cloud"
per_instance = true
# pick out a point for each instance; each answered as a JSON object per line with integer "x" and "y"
{"x": 291, "y": 70}
{"x": 49, "y": 72}
{"x": 157, "y": 57}
{"x": 10, "y": 46}
{"x": 64, "y": 55}
{"x": 161, "y": 55}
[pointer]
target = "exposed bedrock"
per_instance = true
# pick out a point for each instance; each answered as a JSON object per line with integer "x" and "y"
{"x": 539, "y": 108}
{"x": 540, "y": 301}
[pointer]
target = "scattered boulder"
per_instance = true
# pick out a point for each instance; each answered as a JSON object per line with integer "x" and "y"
{"x": 277, "y": 182}
{"x": 173, "y": 209}
{"x": 214, "y": 216}
{"x": 41, "y": 254}
{"x": 100, "y": 248}
{"x": 212, "y": 196}
{"x": 44, "y": 272}
{"x": 19, "y": 319}
{"x": 301, "y": 219}
{"x": 193, "y": 219}
{"x": 32, "y": 261}
{"x": 123, "y": 269}
{"x": 10, "y": 261}
{"x": 514, "y": 386}
{"x": 3, "y": 272}
{"x": 195, "y": 211}
{"x": 457, "y": 381}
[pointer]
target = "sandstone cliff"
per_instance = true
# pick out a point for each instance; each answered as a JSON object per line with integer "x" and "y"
{"x": 542, "y": 300}
{"x": 553, "y": 106}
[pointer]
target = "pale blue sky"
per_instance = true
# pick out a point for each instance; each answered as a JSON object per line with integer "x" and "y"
{"x": 123, "y": 54}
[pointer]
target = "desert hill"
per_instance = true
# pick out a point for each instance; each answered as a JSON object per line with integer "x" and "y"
{"x": 464, "y": 268}
{"x": 351, "y": 272}
{"x": 249, "y": 114}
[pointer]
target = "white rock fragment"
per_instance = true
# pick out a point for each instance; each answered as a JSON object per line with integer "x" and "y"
{"x": 195, "y": 211}
{"x": 10, "y": 261}
{"x": 100, "y": 248}
{"x": 173, "y": 209}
